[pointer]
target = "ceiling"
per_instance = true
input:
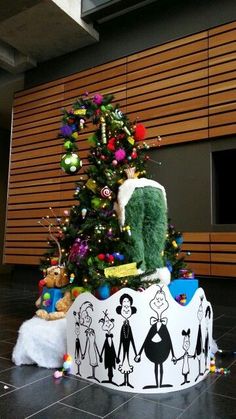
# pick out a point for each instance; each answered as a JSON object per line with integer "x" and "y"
{"x": 34, "y": 31}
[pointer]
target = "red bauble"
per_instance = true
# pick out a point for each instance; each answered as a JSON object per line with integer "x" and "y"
{"x": 134, "y": 155}
{"x": 110, "y": 258}
{"x": 101, "y": 256}
{"x": 114, "y": 289}
{"x": 111, "y": 145}
{"x": 139, "y": 132}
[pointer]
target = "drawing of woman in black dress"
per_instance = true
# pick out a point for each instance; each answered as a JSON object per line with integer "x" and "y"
{"x": 126, "y": 309}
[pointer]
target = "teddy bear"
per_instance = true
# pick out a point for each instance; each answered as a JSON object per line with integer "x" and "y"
{"x": 55, "y": 300}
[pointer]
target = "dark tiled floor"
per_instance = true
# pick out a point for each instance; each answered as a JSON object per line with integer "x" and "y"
{"x": 29, "y": 391}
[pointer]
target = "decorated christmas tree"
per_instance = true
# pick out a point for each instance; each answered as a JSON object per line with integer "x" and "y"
{"x": 109, "y": 240}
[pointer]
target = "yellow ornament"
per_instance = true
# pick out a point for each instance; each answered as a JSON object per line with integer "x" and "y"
{"x": 81, "y": 111}
{"x": 75, "y": 135}
{"x": 131, "y": 140}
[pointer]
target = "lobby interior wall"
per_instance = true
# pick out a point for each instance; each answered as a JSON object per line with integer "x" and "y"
{"x": 183, "y": 166}
{"x": 156, "y": 24}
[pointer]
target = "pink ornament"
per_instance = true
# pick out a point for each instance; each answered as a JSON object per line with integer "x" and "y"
{"x": 114, "y": 162}
{"x": 120, "y": 154}
{"x": 98, "y": 99}
{"x": 105, "y": 192}
{"x": 58, "y": 374}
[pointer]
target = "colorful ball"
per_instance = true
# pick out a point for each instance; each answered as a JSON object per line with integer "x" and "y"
{"x": 120, "y": 154}
{"x": 104, "y": 291}
{"x": 71, "y": 163}
{"x": 96, "y": 202}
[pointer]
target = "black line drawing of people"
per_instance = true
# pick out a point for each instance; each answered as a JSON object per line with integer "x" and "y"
{"x": 157, "y": 344}
{"x": 78, "y": 351}
{"x": 185, "y": 357}
{"x": 90, "y": 345}
{"x": 207, "y": 346}
{"x": 126, "y": 309}
{"x": 108, "y": 347}
{"x": 199, "y": 344}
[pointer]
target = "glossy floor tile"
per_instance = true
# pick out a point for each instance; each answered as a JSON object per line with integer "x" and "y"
{"x": 32, "y": 392}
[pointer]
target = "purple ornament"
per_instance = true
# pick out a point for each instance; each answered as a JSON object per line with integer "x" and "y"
{"x": 120, "y": 154}
{"x": 66, "y": 130}
{"x": 97, "y": 99}
{"x": 78, "y": 251}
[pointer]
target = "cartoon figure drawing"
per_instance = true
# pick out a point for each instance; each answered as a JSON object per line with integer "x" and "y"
{"x": 78, "y": 351}
{"x": 199, "y": 344}
{"x": 108, "y": 347}
{"x": 207, "y": 340}
{"x": 90, "y": 345}
{"x": 157, "y": 344}
{"x": 185, "y": 357}
{"x": 126, "y": 309}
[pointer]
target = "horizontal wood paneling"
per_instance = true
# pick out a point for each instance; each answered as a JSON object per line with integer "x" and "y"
{"x": 222, "y": 75}
{"x": 211, "y": 253}
{"x": 183, "y": 90}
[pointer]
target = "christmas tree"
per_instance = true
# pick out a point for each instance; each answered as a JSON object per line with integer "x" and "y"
{"x": 90, "y": 240}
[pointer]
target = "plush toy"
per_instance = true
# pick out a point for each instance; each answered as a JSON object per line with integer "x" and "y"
{"x": 54, "y": 301}
{"x": 142, "y": 211}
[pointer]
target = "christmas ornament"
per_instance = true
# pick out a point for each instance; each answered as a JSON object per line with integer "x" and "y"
{"x": 104, "y": 291}
{"x": 105, "y": 192}
{"x": 66, "y": 131}
{"x": 71, "y": 163}
{"x": 96, "y": 202}
{"x": 120, "y": 154}
{"x": 139, "y": 132}
{"x": 80, "y": 112}
{"x": 84, "y": 212}
{"x": 103, "y": 129}
{"x": 68, "y": 145}
{"x": 111, "y": 145}
{"x": 76, "y": 291}
{"x": 97, "y": 99}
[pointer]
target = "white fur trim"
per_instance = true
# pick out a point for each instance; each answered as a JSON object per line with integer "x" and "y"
{"x": 163, "y": 274}
{"x": 126, "y": 190}
{"x": 41, "y": 342}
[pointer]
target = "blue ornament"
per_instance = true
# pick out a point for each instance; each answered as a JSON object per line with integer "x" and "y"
{"x": 169, "y": 266}
{"x": 104, "y": 291}
{"x": 179, "y": 240}
{"x": 74, "y": 127}
{"x": 118, "y": 256}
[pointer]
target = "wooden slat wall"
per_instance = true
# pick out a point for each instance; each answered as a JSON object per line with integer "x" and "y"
{"x": 182, "y": 90}
{"x": 211, "y": 253}
{"x": 222, "y": 80}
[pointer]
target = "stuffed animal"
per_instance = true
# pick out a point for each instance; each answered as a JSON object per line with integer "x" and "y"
{"x": 54, "y": 301}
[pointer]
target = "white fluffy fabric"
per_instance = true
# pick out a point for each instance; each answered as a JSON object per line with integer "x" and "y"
{"x": 126, "y": 190}
{"x": 41, "y": 342}
{"x": 163, "y": 274}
